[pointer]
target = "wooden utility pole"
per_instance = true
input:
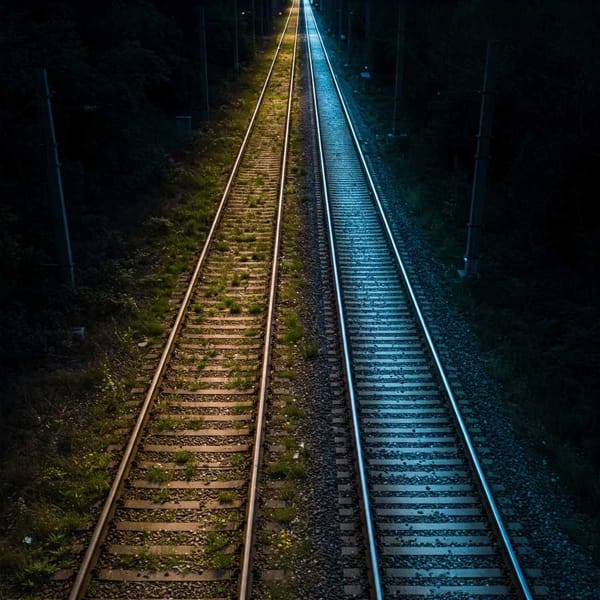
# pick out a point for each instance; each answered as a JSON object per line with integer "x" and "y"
{"x": 482, "y": 158}
{"x": 203, "y": 64}
{"x": 57, "y": 200}
{"x": 399, "y": 65}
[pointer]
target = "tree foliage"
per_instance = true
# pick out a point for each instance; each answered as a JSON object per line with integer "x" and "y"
{"x": 119, "y": 72}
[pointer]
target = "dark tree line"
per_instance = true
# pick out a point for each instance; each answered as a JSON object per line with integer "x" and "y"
{"x": 546, "y": 134}
{"x": 119, "y": 73}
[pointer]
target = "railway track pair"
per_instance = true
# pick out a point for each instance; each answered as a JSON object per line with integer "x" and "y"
{"x": 178, "y": 521}
{"x": 432, "y": 527}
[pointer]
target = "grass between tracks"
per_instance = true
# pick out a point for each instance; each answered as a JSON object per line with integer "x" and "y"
{"x": 286, "y": 544}
{"x": 536, "y": 318}
{"x": 68, "y": 408}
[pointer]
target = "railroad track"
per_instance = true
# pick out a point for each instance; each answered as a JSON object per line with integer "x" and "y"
{"x": 432, "y": 526}
{"x": 178, "y": 521}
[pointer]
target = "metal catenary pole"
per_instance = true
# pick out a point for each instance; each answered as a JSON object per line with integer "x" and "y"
{"x": 482, "y": 156}
{"x": 55, "y": 187}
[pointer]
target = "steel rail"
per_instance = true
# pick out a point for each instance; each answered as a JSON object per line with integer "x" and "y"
{"x": 99, "y": 533}
{"x": 498, "y": 522}
{"x": 246, "y": 575}
{"x": 364, "y": 494}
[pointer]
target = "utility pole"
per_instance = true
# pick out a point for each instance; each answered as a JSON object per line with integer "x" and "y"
{"x": 57, "y": 200}
{"x": 482, "y": 157}
{"x": 236, "y": 43}
{"x": 399, "y": 64}
{"x": 203, "y": 64}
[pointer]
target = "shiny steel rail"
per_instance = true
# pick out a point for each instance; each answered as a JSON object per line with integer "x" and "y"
{"x": 98, "y": 535}
{"x": 346, "y": 296}
{"x": 245, "y": 575}
{"x": 364, "y": 494}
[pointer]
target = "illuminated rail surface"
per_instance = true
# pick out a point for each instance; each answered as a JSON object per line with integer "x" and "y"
{"x": 432, "y": 526}
{"x": 178, "y": 521}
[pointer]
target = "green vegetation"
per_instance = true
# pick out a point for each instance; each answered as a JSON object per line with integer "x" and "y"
{"x": 216, "y": 550}
{"x": 255, "y": 308}
{"x": 237, "y": 460}
{"x": 226, "y": 497}
{"x": 293, "y": 330}
{"x": 213, "y": 291}
{"x": 287, "y": 467}
{"x": 162, "y": 496}
{"x": 157, "y": 475}
{"x": 289, "y": 540}
{"x": 165, "y": 424}
{"x": 310, "y": 350}
{"x": 37, "y": 572}
{"x": 286, "y": 374}
{"x": 190, "y": 471}
{"x": 184, "y": 457}
{"x": 281, "y": 590}
{"x": 146, "y": 560}
{"x": 222, "y": 560}
{"x": 233, "y": 306}
{"x": 284, "y": 515}
{"x": 215, "y": 541}
{"x": 245, "y": 237}
{"x": 292, "y": 410}
{"x": 241, "y": 383}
